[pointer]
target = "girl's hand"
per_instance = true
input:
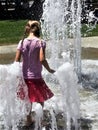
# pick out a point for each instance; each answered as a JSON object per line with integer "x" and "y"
{"x": 52, "y": 71}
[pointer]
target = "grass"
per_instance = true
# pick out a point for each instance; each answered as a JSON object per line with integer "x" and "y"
{"x": 11, "y": 31}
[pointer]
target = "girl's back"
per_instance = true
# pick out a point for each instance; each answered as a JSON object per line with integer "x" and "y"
{"x": 30, "y": 53}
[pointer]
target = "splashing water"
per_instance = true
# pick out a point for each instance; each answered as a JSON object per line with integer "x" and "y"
{"x": 92, "y": 20}
{"x": 12, "y": 107}
{"x": 68, "y": 81}
{"x": 61, "y": 27}
{"x": 62, "y": 24}
{"x": 15, "y": 107}
{"x": 89, "y": 17}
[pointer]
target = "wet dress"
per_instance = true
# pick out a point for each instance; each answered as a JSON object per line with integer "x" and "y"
{"x": 38, "y": 91}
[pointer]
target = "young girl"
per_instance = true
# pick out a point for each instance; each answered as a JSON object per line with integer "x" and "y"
{"x": 32, "y": 50}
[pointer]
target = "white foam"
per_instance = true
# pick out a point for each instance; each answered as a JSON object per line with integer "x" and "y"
{"x": 13, "y": 109}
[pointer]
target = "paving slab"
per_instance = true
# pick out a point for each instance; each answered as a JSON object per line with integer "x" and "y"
{"x": 85, "y": 42}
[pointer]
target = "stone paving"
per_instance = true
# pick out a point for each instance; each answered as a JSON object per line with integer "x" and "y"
{"x": 90, "y": 42}
{"x": 85, "y": 42}
{"x": 8, "y": 49}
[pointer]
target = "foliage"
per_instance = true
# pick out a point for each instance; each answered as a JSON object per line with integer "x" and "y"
{"x": 89, "y": 31}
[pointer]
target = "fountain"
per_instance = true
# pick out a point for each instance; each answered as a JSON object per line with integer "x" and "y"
{"x": 13, "y": 108}
{"x": 61, "y": 24}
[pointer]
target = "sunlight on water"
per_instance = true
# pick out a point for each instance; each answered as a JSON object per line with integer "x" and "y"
{"x": 69, "y": 88}
{"x": 61, "y": 23}
{"x": 13, "y": 109}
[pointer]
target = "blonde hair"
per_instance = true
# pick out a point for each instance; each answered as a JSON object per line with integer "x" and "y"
{"x": 33, "y": 27}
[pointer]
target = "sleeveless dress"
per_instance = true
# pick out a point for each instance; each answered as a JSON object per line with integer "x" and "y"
{"x": 38, "y": 91}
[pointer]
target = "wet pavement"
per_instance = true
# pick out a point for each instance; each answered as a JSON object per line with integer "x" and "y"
{"x": 85, "y": 42}
{"x": 89, "y": 51}
{"x": 83, "y": 124}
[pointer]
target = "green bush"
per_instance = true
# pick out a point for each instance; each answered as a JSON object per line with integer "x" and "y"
{"x": 89, "y": 31}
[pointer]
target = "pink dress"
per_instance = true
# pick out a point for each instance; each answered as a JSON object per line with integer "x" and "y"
{"x": 38, "y": 91}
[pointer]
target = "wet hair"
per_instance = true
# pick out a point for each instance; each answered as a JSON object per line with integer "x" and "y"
{"x": 33, "y": 27}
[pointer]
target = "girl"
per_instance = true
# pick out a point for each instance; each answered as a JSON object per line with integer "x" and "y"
{"x": 32, "y": 50}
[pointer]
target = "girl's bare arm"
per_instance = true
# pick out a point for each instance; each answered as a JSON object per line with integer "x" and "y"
{"x": 44, "y": 61}
{"x": 46, "y": 65}
{"x": 18, "y": 56}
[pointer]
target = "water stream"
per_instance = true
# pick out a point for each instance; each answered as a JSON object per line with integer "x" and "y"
{"x": 61, "y": 22}
{"x": 71, "y": 105}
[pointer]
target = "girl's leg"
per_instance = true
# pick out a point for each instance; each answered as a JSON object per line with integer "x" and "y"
{"x": 29, "y": 117}
{"x": 29, "y": 120}
{"x": 41, "y": 119}
{"x": 42, "y": 104}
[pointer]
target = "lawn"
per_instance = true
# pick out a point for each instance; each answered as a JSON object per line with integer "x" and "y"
{"x": 11, "y": 31}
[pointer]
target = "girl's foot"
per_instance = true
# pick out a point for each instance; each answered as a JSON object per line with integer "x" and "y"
{"x": 29, "y": 120}
{"x": 30, "y": 123}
